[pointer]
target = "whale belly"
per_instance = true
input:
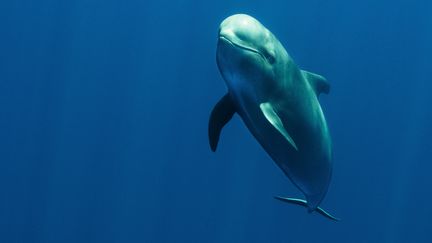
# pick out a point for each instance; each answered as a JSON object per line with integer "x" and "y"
{"x": 309, "y": 167}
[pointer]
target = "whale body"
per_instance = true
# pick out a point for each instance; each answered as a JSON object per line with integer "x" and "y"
{"x": 278, "y": 102}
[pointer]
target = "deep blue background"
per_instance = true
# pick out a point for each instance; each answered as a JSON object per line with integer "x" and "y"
{"x": 104, "y": 107}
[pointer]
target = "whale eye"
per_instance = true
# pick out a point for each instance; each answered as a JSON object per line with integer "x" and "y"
{"x": 270, "y": 57}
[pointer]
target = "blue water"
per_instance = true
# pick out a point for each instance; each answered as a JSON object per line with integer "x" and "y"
{"x": 103, "y": 123}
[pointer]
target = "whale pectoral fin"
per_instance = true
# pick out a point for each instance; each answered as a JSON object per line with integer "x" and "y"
{"x": 303, "y": 203}
{"x": 318, "y": 82}
{"x": 274, "y": 119}
{"x": 220, "y": 115}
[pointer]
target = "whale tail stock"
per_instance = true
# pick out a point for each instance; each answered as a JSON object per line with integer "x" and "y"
{"x": 303, "y": 203}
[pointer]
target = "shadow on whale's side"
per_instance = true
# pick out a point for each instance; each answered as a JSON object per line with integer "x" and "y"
{"x": 278, "y": 102}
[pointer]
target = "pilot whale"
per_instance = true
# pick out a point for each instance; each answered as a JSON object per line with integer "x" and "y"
{"x": 278, "y": 102}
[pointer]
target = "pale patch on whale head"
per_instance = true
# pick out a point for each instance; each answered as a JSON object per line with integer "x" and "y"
{"x": 246, "y": 32}
{"x": 248, "y": 52}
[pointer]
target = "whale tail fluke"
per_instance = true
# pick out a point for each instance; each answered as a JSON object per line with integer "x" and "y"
{"x": 303, "y": 203}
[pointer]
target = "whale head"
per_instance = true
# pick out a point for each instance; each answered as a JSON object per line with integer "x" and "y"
{"x": 248, "y": 53}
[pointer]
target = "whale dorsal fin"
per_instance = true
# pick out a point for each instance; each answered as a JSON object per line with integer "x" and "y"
{"x": 275, "y": 120}
{"x": 318, "y": 82}
{"x": 220, "y": 115}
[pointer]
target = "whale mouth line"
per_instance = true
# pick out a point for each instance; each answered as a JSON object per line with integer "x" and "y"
{"x": 240, "y": 46}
